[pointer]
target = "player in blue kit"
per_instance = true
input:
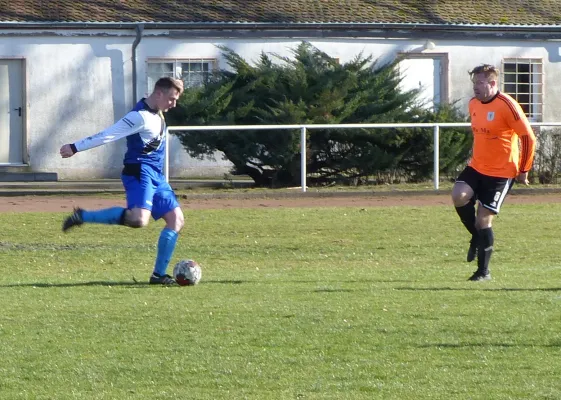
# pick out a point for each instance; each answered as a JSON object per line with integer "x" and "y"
{"x": 148, "y": 193}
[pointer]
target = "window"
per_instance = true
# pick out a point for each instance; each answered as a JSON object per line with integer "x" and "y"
{"x": 193, "y": 72}
{"x": 427, "y": 73}
{"x": 523, "y": 80}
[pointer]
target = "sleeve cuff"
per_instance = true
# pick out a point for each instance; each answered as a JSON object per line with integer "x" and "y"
{"x": 73, "y": 147}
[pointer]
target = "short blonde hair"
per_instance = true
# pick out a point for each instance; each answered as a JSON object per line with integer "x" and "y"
{"x": 490, "y": 71}
{"x": 166, "y": 83}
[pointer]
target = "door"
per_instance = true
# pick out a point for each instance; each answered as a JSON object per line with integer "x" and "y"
{"x": 425, "y": 73}
{"x": 11, "y": 112}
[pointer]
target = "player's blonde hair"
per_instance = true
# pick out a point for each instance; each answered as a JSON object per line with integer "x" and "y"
{"x": 490, "y": 71}
{"x": 167, "y": 83}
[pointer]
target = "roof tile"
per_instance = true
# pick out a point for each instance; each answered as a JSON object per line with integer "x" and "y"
{"x": 500, "y": 12}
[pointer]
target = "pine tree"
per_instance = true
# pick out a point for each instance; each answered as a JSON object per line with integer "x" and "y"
{"x": 314, "y": 88}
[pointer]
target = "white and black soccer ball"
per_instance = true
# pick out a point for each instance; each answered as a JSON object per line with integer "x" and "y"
{"x": 187, "y": 272}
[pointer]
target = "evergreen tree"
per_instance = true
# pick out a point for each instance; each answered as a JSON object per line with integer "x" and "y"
{"x": 313, "y": 88}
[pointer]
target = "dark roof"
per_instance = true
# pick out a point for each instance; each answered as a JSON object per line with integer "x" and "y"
{"x": 488, "y": 12}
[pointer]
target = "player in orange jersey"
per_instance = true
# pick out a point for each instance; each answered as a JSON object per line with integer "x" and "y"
{"x": 498, "y": 124}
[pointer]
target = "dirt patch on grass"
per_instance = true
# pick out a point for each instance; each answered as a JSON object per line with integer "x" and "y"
{"x": 67, "y": 203}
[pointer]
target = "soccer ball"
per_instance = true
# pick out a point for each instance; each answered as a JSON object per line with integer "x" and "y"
{"x": 187, "y": 272}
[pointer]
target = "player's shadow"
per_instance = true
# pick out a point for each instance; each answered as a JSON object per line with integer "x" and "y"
{"x": 76, "y": 284}
{"x": 332, "y": 290}
{"x": 437, "y": 289}
{"x": 134, "y": 284}
{"x": 486, "y": 345}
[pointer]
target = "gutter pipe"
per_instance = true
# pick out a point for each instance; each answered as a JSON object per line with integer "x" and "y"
{"x": 235, "y": 26}
{"x": 139, "y": 28}
{"x": 314, "y": 29}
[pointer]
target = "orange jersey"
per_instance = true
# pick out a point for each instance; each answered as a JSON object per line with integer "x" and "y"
{"x": 497, "y": 126}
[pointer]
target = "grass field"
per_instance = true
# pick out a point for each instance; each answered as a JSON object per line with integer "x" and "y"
{"x": 326, "y": 303}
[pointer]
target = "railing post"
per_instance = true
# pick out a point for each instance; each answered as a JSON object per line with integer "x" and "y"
{"x": 303, "y": 158}
{"x": 436, "y": 156}
{"x": 166, "y": 156}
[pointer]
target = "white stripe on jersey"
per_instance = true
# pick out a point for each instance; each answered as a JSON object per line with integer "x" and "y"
{"x": 131, "y": 123}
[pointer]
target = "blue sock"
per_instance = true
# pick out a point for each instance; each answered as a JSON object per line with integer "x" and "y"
{"x": 109, "y": 216}
{"x": 166, "y": 246}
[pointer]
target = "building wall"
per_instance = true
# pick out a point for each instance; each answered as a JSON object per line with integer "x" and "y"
{"x": 79, "y": 82}
{"x": 77, "y": 85}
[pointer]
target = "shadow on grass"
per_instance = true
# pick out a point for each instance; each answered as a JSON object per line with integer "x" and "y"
{"x": 75, "y": 284}
{"x": 437, "y": 289}
{"x": 132, "y": 283}
{"x": 226, "y": 282}
{"x": 503, "y": 345}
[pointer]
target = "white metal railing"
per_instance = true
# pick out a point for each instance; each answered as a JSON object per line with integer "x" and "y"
{"x": 303, "y": 129}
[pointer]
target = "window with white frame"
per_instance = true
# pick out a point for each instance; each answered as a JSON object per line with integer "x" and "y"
{"x": 522, "y": 78}
{"x": 193, "y": 72}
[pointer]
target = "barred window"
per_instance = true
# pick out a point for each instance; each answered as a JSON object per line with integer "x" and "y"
{"x": 193, "y": 72}
{"x": 522, "y": 78}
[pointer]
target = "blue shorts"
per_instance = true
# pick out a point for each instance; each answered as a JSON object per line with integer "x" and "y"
{"x": 145, "y": 187}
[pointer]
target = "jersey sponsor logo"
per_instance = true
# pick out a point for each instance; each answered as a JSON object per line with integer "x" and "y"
{"x": 490, "y": 115}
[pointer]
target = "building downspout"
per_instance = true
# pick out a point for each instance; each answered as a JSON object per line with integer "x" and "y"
{"x": 139, "y": 29}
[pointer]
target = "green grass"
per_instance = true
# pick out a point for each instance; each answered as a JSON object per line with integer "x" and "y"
{"x": 327, "y": 303}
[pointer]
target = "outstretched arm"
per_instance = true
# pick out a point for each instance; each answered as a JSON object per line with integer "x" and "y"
{"x": 129, "y": 124}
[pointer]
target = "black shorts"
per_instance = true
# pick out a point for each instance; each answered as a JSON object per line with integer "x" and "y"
{"x": 490, "y": 191}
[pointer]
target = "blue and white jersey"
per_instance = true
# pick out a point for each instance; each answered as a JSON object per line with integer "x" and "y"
{"x": 145, "y": 130}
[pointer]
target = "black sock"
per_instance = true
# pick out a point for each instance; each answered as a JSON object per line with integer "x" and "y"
{"x": 485, "y": 249}
{"x": 467, "y": 216}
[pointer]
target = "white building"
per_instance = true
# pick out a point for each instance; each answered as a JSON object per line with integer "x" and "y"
{"x": 70, "y": 69}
